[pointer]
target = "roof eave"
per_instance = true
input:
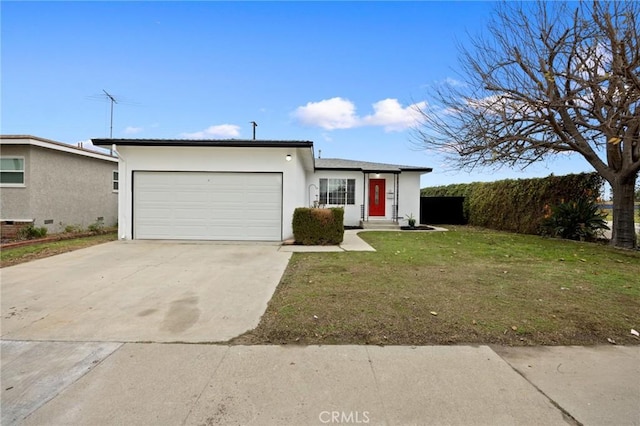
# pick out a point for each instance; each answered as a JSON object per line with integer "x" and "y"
{"x": 344, "y": 169}
{"x": 359, "y": 169}
{"x": 419, "y": 169}
{"x": 29, "y": 140}
{"x": 203, "y": 143}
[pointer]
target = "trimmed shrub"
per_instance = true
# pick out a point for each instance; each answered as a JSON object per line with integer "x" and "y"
{"x": 313, "y": 226}
{"x": 519, "y": 205}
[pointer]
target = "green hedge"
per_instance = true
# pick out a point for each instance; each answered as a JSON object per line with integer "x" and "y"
{"x": 318, "y": 226}
{"x": 519, "y": 205}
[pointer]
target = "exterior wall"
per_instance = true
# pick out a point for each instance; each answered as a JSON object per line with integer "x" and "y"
{"x": 70, "y": 189}
{"x": 60, "y": 187}
{"x": 212, "y": 159}
{"x": 15, "y": 202}
{"x": 409, "y": 197}
{"x": 408, "y": 191}
{"x": 299, "y": 194}
{"x": 352, "y": 213}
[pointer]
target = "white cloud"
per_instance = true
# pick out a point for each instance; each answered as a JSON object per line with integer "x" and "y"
{"x": 330, "y": 114}
{"x": 339, "y": 113}
{"x": 389, "y": 114}
{"x": 219, "y": 131}
{"x": 131, "y": 130}
{"x": 453, "y": 82}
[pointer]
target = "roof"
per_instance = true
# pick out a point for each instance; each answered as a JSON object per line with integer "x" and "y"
{"x": 364, "y": 166}
{"x": 58, "y": 146}
{"x": 320, "y": 163}
{"x": 242, "y": 143}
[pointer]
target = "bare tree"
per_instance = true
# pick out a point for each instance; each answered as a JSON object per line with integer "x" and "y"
{"x": 548, "y": 78}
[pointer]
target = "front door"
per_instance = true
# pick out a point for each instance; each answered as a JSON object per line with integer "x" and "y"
{"x": 376, "y": 197}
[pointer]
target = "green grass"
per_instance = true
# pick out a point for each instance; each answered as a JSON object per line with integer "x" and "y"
{"x": 16, "y": 255}
{"x": 463, "y": 286}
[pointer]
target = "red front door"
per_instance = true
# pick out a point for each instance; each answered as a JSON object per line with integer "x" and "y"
{"x": 376, "y": 197}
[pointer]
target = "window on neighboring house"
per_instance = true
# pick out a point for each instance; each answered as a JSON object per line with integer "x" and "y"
{"x": 12, "y": 171}
{"x": 115, "y": 181}
{"x": 337, "y": 191}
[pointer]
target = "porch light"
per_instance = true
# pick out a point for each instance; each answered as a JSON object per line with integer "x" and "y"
{"x": 288, "y": 157}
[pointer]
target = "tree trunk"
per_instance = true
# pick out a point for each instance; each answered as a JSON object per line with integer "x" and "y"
{"x": 623, "y": 232}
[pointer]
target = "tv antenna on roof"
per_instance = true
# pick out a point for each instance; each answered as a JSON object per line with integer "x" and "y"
{"x": 113, "y": 101}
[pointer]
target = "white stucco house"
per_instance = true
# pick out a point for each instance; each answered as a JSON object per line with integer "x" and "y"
{"x": 248, "y": 189}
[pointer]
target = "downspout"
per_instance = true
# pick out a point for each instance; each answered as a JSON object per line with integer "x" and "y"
{"x": 364, "y": 194}
{"x": 397, "y": 183}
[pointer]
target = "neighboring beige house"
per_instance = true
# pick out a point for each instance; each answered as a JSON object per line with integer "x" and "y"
{"x": 52, "y": 184}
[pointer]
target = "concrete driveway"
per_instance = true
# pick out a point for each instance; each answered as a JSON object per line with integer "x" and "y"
{"x": 141, "y": 292}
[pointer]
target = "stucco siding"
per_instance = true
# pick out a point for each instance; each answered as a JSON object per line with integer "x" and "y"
{"x": 352, "y": 212}
{"x": 408, "y": 192}
{"x": 70, "y": 189}
{"x": 409, "y": 196}
{"x": 15, "y": 201}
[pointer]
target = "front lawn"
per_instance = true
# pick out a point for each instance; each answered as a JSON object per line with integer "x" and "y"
{"x": 463, "y": 286}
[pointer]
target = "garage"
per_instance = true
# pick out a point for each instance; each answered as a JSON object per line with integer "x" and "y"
{"x": 207, "y": 206}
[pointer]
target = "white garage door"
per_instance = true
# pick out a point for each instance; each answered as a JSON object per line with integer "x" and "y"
{"x": 207, "y": 206}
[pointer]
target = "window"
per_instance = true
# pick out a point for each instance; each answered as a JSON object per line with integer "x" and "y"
{"x": 12, "y": 171}
{"x": 337, "y": 191}
{"x": 115, "y": 181}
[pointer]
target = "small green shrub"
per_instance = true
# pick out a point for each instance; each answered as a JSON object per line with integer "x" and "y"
{"x": 96, "y": 227}
{"x": 411, "y": 220}
{"x": 31, "y": 232}
{"x": 72, "y": 229}
{"x": 576, "y": 220}
{"x": 313, "y": 226}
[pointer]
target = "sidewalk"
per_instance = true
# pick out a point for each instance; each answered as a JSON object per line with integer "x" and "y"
{"x": 111, "y": 383}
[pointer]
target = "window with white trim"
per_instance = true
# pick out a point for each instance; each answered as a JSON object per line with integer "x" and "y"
{"x": 12, "y": 171}
{"x": 337, "y": 191}
{"x": 115, "y": 182}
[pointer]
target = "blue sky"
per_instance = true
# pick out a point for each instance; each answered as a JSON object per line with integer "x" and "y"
{"x": 342, "y": 74}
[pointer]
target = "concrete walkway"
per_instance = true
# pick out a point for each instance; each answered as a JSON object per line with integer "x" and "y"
{"x": 45, "y": 383}
{"x": 351, "y": 242}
